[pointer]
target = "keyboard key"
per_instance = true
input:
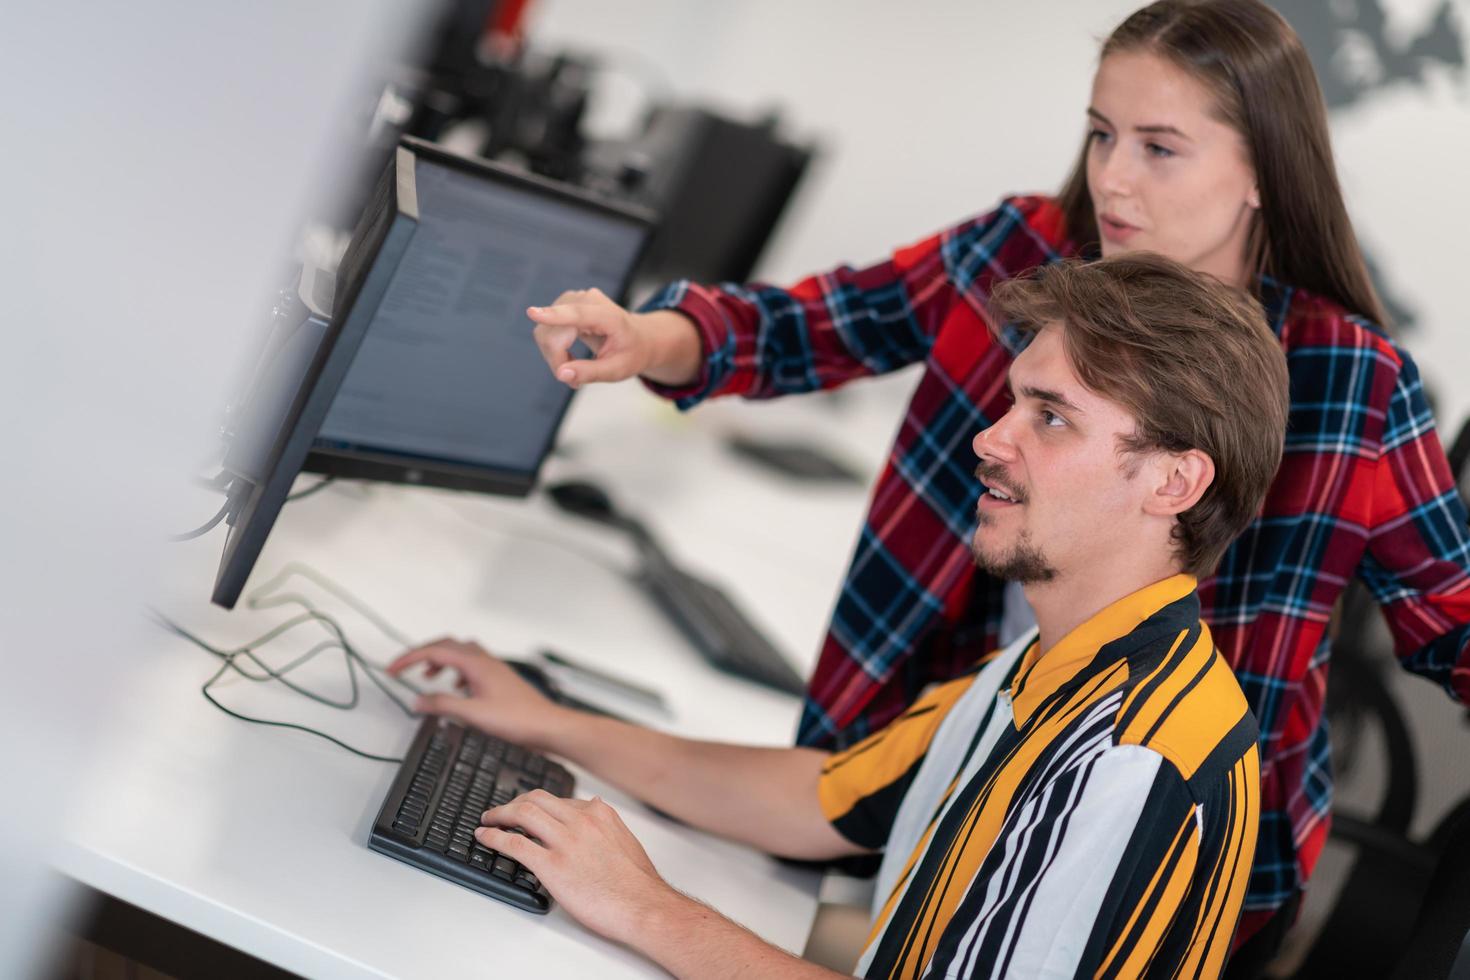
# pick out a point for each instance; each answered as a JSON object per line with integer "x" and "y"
{"x": 481, "y": 858}
{"x": 527, "y": 881}
{"x": 460, "y": 852}
{"x": 504, "y": 867}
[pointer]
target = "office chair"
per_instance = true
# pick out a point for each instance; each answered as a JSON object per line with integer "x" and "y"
{"x": 1404, "y": 910}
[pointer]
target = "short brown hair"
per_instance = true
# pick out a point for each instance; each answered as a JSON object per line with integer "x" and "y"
{"x": 1191, "y": 359}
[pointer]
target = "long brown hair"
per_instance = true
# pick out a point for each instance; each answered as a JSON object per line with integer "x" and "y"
{"x": 1265, "y": 88}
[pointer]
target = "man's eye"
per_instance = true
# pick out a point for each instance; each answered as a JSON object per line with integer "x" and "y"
{"x": 1051, "y": 419}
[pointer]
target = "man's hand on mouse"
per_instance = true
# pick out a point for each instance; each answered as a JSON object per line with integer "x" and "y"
{"x": 497, "y": 700}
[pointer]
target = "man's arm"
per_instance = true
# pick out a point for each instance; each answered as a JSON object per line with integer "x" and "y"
{"x": 764, "y": 797}
{"x": 597, "y": 870}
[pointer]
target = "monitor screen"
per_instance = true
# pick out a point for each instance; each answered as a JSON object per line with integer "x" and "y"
{"x": 448, "y": 387}
{"x": 424, "y": 369}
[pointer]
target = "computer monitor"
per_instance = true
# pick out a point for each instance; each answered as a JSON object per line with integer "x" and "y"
{"x": 431, "y": 212}
{"x": 448, "y": 387}
{"x": 721, "y": 185}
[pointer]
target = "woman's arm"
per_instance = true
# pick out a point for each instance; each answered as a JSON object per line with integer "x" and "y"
{"x": 692, "y": 341}
{"x": 1418, "y": 559}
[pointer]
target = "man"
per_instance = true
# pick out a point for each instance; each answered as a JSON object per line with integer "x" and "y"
{"x": 1083, "y": 802}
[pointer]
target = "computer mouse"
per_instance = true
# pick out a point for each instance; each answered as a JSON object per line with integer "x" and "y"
{"x": 583, "y": 499}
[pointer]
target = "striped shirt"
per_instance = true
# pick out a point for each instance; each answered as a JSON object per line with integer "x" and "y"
{"x": 1089, "y": 812}
{"x": 1364, "y": 491}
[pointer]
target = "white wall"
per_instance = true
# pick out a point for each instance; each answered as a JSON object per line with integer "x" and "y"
{"x": 931, "y": 111}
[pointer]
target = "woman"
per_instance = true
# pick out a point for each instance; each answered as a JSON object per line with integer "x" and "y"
{"x": 1207, "y": 142}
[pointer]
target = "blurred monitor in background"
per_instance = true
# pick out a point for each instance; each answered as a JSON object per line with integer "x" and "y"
{"x": 720, "y": 186}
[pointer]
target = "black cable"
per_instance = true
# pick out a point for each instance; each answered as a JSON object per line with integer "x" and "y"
{"x": 325, "y": 482}
{"x": 204, "y": 528}
{"x": 269, "y": 673}
{"x": 260, "y": 596}
{"x": 369, "y": 667}
{"x": 396, "y": 760}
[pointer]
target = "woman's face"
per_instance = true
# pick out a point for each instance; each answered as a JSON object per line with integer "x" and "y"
{"x": 1165, "y": 174}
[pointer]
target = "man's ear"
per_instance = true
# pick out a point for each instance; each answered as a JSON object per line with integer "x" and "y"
{"x": 1182, "y": 479}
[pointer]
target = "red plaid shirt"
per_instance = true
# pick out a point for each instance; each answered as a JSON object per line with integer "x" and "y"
{"x": 1364, "y": 490}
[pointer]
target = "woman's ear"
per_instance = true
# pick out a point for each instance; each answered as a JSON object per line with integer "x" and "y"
{"x": 1253, "y": 199}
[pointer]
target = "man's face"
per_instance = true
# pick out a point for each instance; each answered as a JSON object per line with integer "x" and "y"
{"x": 1060, "y": 494}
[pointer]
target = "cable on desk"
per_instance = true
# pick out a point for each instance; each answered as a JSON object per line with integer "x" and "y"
{"x": 262, "y": 598}
{"x": 228, "y": 664}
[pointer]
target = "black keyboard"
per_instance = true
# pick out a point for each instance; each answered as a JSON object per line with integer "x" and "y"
{"x": 717, "y": 627}
{"x": 451, "y": 775}
{"x": 722, "y": 633}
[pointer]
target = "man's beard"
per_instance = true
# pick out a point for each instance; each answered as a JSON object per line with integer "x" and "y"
{"x": 1024, "y": 562}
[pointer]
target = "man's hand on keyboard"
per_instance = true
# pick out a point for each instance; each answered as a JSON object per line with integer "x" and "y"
{"x": 594, "y": 866}
{"x": 496, "y": 699}
{"x": 586, "y": 857}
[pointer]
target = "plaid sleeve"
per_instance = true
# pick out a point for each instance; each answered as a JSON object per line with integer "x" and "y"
{"x": 1418, "y": 558}
{"x": 762, "y": 341}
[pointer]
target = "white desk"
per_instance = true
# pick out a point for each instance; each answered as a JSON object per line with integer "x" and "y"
{"x": 256, "y": 836}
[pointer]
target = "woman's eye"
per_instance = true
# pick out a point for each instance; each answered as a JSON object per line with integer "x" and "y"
{"x": 1097, "y": 136}
{"x": 1162, "y": 152}
{"x": 1051, "y": 419}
